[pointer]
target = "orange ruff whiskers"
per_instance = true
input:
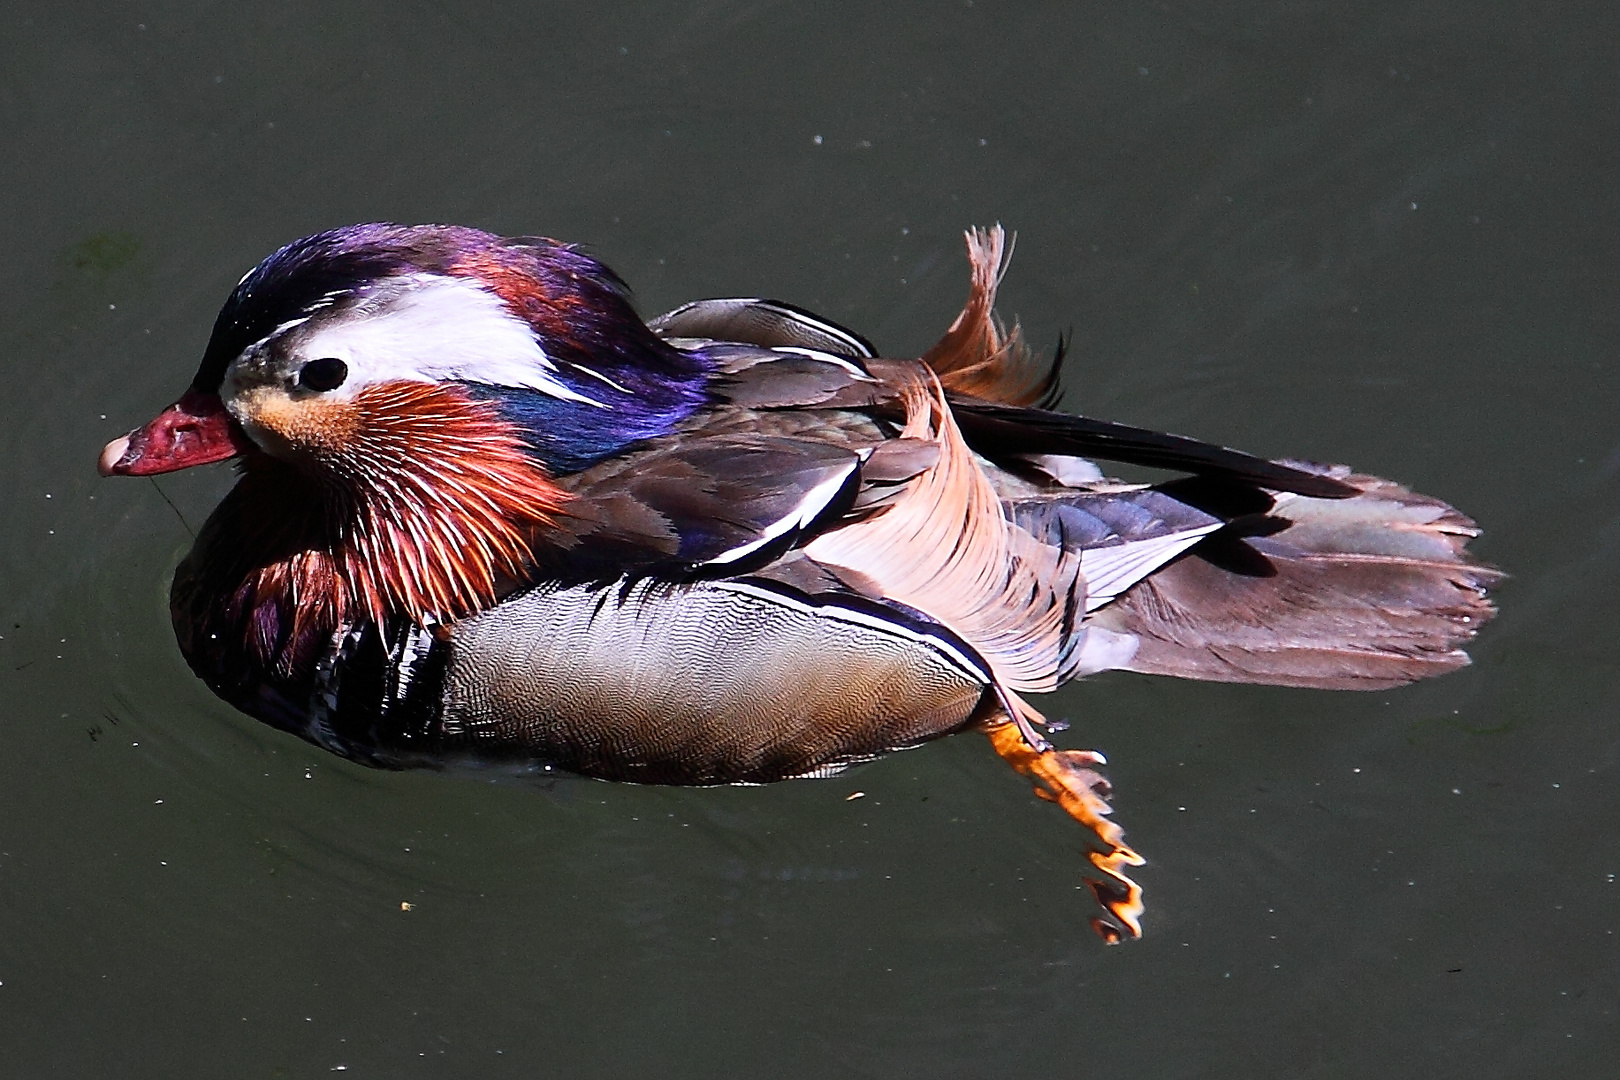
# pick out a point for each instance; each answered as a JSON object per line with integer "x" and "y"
{"x": 436, "y": 502}
{"x": 420, "y": 502}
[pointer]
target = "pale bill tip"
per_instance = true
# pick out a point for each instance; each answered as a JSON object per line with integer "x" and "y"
{"x": 112, "y": 454}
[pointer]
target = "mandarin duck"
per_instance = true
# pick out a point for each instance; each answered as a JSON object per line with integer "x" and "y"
{"x": 487, "y": 514}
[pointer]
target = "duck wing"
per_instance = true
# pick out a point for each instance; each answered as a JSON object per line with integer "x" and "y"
{"x": 757, "y": 321}
{"x": 718, "y": 506}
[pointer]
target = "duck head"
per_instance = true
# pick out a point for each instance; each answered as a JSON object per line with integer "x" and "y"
{"x": 399, "y": 400}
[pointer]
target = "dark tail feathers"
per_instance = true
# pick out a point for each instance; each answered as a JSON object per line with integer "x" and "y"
{"x": 1362, "y": 593}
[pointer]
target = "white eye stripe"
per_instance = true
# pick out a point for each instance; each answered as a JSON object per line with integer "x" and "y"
{"x": 435, "y": 329}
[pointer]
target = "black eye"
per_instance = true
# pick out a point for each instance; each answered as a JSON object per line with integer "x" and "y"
{"x": 327, "y": 373}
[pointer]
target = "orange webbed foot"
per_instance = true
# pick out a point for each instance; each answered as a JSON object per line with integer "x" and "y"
{"x": 1066, "y": 778}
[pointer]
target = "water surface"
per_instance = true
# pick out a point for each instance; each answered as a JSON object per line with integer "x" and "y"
{"x": 1384, "y": 236}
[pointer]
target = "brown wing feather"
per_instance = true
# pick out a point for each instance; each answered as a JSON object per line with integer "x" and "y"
{"x": 1363, "y": 594}
{"x": 945, "y": 547}
{"x": 978, "y": 356}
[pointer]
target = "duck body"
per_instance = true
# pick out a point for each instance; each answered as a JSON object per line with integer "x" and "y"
{"x": 487, "y": 514}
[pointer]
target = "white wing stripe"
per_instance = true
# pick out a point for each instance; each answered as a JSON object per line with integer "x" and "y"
{"x": 807, "y": 510}
{"x": 827, "y": 358}
{"x": 1109, "y": 571}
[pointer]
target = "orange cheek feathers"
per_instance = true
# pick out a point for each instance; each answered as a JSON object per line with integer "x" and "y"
{"x": 433, "y": 497}
{"x": 292, "y": 428}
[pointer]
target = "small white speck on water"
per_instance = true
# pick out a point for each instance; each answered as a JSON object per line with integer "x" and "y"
{"x": 47, "y": 494}
{"x": 1414, "y": 206}
{"x": 817, "y": 140}
{"x": 112, "y": 307}
{"x": 1456, "y": 791}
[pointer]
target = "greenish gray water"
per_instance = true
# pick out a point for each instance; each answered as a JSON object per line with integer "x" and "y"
{"x": 1384, "y": 234}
